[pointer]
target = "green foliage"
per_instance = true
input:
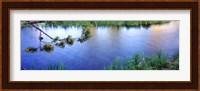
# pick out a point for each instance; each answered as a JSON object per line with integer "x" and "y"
{"x": 48, "y": 47}
{"x": 108, "y": 23}
{"x": 114, "y": 65}
{"x": 32, "y": 66}
{"x": 23, "y": 25}
{"x": 67, "y": 23}
{"x": 56, "y": 39}
{"x": 49, "y": 67}
{"x": 133, "y": 23}
{"x": 61, "y": 43}
{"x": 86, "y": 34}
{"x": 159, "y": 61}
{"x": 70, "y": 40}
{"x": 96, "y": 23}
{"x": 53, "y": 23}
{"x": 56, "y": 67}
{"x": 175, "y": 61}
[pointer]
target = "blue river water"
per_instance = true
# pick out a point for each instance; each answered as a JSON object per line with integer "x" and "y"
{"x": 106, "y": 44}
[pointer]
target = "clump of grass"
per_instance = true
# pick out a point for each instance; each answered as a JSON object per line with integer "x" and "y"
{"x": 138, "y": 62}
{"x": 32, "y": 66}
{"x": 175, "y": 61}
{"x": 23, "y": 25}
{"x": 49, "y": 67}
{"x": 56, "y": 67}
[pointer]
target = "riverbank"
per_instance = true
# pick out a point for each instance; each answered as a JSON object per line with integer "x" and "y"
{"x": 95, "y": 23}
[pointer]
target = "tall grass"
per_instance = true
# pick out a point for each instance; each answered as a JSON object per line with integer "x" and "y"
{"x": 49, "y": 67}
{"x": 160, "y": 61}
{"x": 56, "y": 67}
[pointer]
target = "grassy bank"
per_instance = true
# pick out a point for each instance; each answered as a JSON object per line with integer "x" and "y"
{"x": 96, "y": 23}
{"x": 160, "y": 61}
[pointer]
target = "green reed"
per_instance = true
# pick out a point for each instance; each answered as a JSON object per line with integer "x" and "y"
{"x": 160, "y": 61}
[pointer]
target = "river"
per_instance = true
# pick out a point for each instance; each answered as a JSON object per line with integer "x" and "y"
{"x": 106, "y": 44}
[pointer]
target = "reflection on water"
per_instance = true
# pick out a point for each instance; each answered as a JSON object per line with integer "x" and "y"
{"x": 106, "y": 44}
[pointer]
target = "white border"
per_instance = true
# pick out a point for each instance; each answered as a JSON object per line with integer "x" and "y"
{"x": 94, "y": 75}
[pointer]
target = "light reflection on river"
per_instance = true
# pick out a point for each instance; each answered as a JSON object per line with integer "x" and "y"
{"x": 106, "y": 44}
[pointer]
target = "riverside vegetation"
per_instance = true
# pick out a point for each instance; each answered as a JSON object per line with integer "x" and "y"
{"x": 160, "y": 61}
{"x": 94, "y": 23}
